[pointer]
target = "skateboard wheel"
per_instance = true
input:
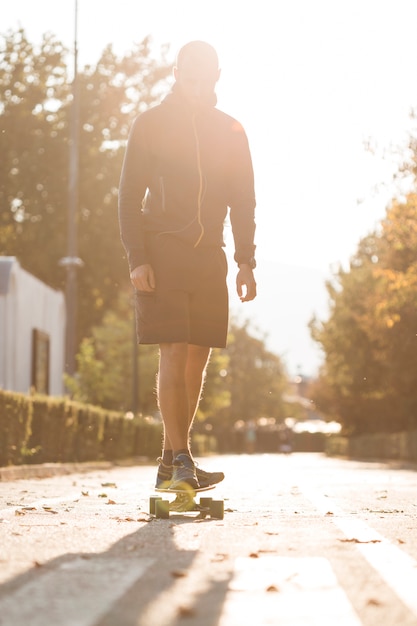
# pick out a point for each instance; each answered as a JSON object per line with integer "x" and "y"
{"x": 217, "y": 509}
{"x": 152, "y": 501}
{"x": 162, "y": 509}
{"x": 205, "y": 502}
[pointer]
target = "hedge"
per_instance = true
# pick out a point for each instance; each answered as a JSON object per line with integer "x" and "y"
{"x": 46, "y": 429}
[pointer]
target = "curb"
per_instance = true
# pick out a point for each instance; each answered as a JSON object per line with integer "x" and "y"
{"x": 46, "y": 470}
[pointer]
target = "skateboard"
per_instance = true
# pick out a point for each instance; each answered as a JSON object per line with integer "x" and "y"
{"x": 184, "y": 502}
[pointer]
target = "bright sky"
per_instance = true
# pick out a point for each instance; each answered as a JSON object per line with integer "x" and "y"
{"x": 310, "y": 82}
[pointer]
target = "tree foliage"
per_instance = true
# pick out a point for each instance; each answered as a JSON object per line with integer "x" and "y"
{"x": 35, "y": 109}
{"x": 106, "y": 364}
{"x": 369, "y": 379}
{"x": 254, "y": 377}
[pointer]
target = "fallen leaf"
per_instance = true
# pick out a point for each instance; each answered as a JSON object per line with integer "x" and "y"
{"x": 178, "y": 573}
{"x": 48, "y": 509}
{"x": 272, "y": 588}
{"x": 109, "y": 485}
{"x": 84, "y": 493}
{"x": 386, "y": 511}
{"x": 186, "y": 611}
{"x": 110, "y": 501}
{"x": 354, "y": 540}
{"x": 219, "y": 557}
{"x": 266, "y": 551}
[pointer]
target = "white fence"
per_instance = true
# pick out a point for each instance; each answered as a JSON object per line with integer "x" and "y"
{"x": 32, "y": 332}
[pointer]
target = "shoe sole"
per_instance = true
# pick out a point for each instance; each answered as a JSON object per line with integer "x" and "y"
{"x": 183, "y": 485}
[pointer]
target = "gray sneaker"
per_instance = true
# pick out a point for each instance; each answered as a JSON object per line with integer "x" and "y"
{"x": 164, "y": 475}
{"x": 183, "y": 475}
{"x": 205, "y": 479}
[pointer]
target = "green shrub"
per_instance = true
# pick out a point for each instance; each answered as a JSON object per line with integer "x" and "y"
{"x": 46, "y": 429}
{"x": 15, "y": 424}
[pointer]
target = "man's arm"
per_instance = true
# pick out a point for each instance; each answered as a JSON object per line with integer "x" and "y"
{"x": 242, "y": 213}
{"x": 132, "y": 188}
{"x": 245, "y": 283}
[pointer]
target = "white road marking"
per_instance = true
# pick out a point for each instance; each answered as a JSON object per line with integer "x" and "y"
{"x": 396, "y": 567}
{"x": 272, "y": 590}
{"x": 77, "y": 593}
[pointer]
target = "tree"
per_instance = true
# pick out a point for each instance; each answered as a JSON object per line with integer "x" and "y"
{"x": 36, "y": 96}
{"x": 369, "y": 378}
{"x": 255, "y": 377}
{"x": 106, "y": 367}
{"x": 395, "y": 316}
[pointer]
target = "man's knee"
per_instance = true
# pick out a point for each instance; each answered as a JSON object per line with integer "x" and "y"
{"x": 198, "y": 355}
{"x": 173, "y": 353}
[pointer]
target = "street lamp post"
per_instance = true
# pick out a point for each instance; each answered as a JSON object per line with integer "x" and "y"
{"x": 72, "y": 262}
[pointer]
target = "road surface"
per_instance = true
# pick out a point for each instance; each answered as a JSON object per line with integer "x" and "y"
{"x": 306, "y": 540}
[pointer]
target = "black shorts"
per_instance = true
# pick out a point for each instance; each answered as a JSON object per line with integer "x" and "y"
{"x": 190, "y": 301}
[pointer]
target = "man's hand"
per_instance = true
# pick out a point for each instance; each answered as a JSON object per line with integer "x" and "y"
{"x": 142, "y": 278}
{"x": 245, "y": 283}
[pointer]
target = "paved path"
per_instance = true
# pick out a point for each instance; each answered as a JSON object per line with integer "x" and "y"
{"x": 306, "y": 540}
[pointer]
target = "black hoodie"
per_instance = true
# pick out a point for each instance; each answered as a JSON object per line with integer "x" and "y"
{"x": 181, "y": 172}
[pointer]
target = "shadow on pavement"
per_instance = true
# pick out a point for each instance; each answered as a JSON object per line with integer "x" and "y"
{"x": 152, "y": 598}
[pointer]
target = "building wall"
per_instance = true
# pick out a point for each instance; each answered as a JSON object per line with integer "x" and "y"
{"x": 26, "y": 303}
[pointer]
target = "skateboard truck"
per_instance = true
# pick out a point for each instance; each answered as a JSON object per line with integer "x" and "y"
{"x": 185, "y": 503}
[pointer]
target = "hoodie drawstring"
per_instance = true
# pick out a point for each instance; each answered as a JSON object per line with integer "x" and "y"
{"x": 200, "y": 182}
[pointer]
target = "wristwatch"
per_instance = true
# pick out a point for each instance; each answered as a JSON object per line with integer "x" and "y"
{"x": 251, "y": 262}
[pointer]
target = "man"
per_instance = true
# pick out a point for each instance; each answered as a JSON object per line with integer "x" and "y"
{"x": 186, "y": 163}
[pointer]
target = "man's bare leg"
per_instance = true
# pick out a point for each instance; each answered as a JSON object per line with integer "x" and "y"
{"x": 173, "y": 403}
{"x": 197, "y": 359}
{"x": 172, "y": 394}
{"x": 180, "y": 381}
{"x": 177, "y": 362}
